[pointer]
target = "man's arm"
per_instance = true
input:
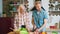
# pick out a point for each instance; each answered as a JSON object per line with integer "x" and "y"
{"x": 45, "y": 22}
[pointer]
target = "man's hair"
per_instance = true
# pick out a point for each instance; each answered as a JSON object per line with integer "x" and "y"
{"x": 37, "y": 2}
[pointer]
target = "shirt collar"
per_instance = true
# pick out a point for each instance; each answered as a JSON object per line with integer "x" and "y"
{"x": 40, "y": 11}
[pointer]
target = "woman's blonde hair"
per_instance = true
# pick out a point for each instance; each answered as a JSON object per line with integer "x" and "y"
{"x": 19, "y": 7}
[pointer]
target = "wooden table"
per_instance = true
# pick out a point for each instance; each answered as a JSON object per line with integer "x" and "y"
{"x": 19, "y": 33}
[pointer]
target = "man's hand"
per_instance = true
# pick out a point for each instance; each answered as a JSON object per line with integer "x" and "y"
{"x": 36, "y": 31}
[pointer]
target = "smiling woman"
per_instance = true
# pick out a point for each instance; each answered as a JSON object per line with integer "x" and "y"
{"x": 23, "y": 18}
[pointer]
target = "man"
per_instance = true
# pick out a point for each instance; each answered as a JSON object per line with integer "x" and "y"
{"x": 40, "y": 17}
{"x": 22, "y": 18}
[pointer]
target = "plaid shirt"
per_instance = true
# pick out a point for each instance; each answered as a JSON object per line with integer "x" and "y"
{"x": 23, "y": 19}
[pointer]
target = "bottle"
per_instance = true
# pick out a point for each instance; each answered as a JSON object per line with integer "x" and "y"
{"x": 56, "y": 25}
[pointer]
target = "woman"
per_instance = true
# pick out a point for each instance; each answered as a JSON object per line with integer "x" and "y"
{"x": 22, "y": 18}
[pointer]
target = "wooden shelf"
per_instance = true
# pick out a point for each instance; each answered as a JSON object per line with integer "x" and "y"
{"x": 54, "y": 12}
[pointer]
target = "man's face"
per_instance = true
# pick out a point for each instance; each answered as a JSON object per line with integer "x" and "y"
{"x": 38, "y": 7}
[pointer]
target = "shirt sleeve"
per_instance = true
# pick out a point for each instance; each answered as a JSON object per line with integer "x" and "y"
{"x": 45, "y": 15}
{"x": 33, "y": 14}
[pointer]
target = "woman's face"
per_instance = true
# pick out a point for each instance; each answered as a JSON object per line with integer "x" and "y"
{"x": 38, "y": 7}
{"x": 22, "y": 8}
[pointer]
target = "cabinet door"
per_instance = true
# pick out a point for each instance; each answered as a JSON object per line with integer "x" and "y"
{"x": 5, "y": 25}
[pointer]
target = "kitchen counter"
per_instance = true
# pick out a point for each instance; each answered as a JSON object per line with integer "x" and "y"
{"x": 50, "y": 30}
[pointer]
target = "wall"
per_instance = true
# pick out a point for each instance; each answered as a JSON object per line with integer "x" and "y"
{"x": 45, "y": 4}
{"x": 52, "y": 20}
{"x": 31, "y": 4}
{"x": 0, "y": 8}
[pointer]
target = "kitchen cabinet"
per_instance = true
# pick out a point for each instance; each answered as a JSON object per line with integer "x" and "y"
{"x": 5, "y": 24}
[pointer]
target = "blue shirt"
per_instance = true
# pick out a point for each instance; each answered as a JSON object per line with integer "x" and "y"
{"x": 39, "y": 18}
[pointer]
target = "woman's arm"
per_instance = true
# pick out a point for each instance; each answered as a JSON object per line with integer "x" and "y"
{"x": 16, "y": 24}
